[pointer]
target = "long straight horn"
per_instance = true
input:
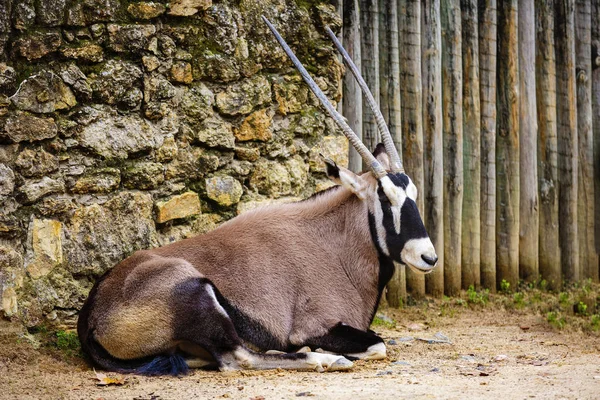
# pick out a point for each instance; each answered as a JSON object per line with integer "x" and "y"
{"x": 388, "y": 142}
{"x": 375, "y": 165}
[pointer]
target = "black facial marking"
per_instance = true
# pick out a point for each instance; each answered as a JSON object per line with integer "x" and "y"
{"x": 344, "y": 339}
{"x": 411, "y": 224}
{"x": 386, "y": 264}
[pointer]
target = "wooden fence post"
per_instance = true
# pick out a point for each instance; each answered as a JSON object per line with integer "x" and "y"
{"x": 412, "y": 112}
{"x": 567, "y": 138}
{"x": 471, "y": 216}
{"x": 596, "y": 115}
{"x": 453, "y": 143}
{"x": 389, "y": 68}
{"x": 588, "y": 260}
{"x": 487, "y": 79}
{"x": 549, "y": 250}
{"x": 528, "y": 139}
{"x": 352, "y": 95}
{"x": 369, "y": 21}
{"x": 507, "y": 146}
{"x": 433, "y": 142}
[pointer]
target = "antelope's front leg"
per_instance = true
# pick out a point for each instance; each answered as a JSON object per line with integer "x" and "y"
{"x": 352, "y": 343}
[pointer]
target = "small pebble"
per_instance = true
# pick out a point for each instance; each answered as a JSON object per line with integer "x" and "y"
{"x": 384, "y": 373}
{"x": 468, "y": 358}
{"x": 400, "y": 363}
{"x": 392, "y": 342}
{"x": 434, "y": 370}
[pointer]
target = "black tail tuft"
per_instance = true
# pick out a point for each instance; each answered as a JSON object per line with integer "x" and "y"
{"x": 173, "y": 364}
{"x": 162, "y": 364}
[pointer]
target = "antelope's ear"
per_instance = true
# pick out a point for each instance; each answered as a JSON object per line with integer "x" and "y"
{"x": 382, "y": 156}
{"x": 345, "y": 177}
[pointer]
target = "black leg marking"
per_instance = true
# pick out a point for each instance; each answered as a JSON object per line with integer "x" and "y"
{"x": 199, "y": 320}
{"x": 344, "y": 339}
{"x": 250, "y": 330}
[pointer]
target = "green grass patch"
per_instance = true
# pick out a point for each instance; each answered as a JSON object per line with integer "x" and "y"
{"x": 383, "y": 321}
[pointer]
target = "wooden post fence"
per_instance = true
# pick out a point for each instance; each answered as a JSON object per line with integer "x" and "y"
{"x": 495, "y": 107}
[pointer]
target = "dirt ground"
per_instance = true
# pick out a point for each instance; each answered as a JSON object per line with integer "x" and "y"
{"x": 494, "y": 353}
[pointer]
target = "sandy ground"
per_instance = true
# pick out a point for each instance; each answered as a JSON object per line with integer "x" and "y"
{"x": 494, "y": 354}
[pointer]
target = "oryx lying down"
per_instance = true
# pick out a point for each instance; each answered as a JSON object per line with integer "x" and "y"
{"x": 277, "y": 278}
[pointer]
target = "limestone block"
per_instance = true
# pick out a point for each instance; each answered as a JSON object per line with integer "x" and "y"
{"x": 44, "y": 92}
{"x": 181, "y": 72}
{"x": 116, "y": 136}
{"x": 37, "y": 45}
{"x": 186, "y": 8}
{"x": 257, "y": 126}
{"x": 33, "y": 162}
{"x": 9, "y": 302}
{"x": 117, "y": 83}
{"x": 34, "y": 190}
{"x": 271, "y": 178}
{"x": 7, "y": 180}
{"x": 8, "y": 79}
{"x": 129, "y": 38}
{"x": 247, "y": 153}
{"x": 88, "y": 52}
{"x": 146, "y": 9}
{"x": 332, "y": 147}
{"x": 98, "y": 236}
{"x": 224, "y": 190}
{"x": 23, "y": 126}
{"x": 167, "y": 151}
{"x": 241, "y": 98}
{"x": 298, "y": 171}
{"x": 23, "y": 14}
{"x": 144, "y": 175}
{"x": 291, "y": 96}
{"x": 181, "y": 206}
{"x": 46, "y": 247}
{"x": 11, "y": 278}
{"x": 77, "y": 80}
{"x": 215, "y": 132}
{"x": 50, "y": 12}
{"x": 197, "y": 102}
{"x": 104, "y": 180}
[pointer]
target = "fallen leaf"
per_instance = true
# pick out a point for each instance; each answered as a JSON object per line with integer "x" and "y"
{"x": 524, "y": 327}
{"x": 105, "y": 380}
{"x": 257, "y": 398}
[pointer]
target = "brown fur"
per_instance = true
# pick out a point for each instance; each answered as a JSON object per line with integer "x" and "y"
{"x": 297, "y": 269}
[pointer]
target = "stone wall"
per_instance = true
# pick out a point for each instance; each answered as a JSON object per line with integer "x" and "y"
{"x": 127, "y": 125}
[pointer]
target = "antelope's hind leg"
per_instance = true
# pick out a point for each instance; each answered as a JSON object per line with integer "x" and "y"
{"x": 201, "y": 322}
{"x": 351, "y": 342}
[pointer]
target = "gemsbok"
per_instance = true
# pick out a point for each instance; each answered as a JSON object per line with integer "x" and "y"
{"x": 279, "y": 278}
